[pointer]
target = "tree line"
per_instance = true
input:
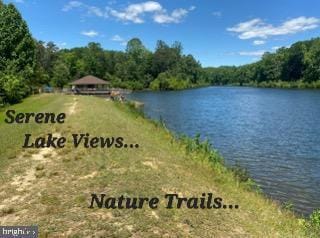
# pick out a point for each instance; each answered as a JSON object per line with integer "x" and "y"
{"x": 166, "y": 68}
{"x": 295, "y": 67}
{"x": 27, "y": 64}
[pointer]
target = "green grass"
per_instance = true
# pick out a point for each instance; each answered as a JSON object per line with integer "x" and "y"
{"x": 58, "y": 199}
{"x": 12, "y": 135}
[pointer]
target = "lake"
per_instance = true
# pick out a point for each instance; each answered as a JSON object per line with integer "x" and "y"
{"x": 273, "y": 133}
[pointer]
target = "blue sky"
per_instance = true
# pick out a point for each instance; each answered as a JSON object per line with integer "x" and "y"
{"x": 216, "y": 32}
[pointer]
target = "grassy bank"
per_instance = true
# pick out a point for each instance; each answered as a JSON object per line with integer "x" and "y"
{"x": 52, "y": 188}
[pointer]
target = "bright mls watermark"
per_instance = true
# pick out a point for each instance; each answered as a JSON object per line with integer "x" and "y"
{"x": 19, "y": 231}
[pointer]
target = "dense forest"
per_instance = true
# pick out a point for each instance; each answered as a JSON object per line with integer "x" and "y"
{"x": 27, "y": 64}
{"x": 295, "y": 67}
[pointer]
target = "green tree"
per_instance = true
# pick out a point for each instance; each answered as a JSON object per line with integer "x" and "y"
{"x": 138, "y": 62}
{"x": 17, "y": 53}
{"x": 272, "y": 65}
{"x": 50, "y": 55}
{"x": 95, "y": 60}
{"x": 17, "y": 48}
{"x": 165, "y": 58}
{"x": 61, "y": 74}
{"x": 41, "y": 74}
{"x": 312, "y": 62}
{"x": 13, "y": 88}
{"x": 293, "y": 65}
{"x": 190, "y": 68}
{"x": 136, "y": 50}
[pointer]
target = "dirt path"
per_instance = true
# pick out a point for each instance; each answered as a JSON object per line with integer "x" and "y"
{"x": 72, "y": 106}
{"x": 27, "y": 176}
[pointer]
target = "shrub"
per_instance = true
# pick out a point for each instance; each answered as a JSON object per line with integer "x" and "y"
{"x": 168, "y": 81}
{"x": 312, "y": 226}
{"x": 195, "y": 145}
{"x": 131, "y": 107}
{"x": 155, "y": 85}
{"x": 287, "y": 206}
{"x": 240, "y": 173}
{"x": 315, "y": 219}
{"x": 13, "y": 88}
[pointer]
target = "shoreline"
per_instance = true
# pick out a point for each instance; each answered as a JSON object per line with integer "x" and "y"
{"x": 237, "y": 171}
{"x": 253, "y": 85}
{"x": 304, "y": 203}
{"x": 163, "y": 164}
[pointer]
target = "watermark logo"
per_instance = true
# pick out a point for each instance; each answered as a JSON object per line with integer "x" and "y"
{"x": 18, "y": 231}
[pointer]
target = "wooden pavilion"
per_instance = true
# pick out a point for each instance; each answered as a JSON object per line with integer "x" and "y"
{"x": 90, "y": 85}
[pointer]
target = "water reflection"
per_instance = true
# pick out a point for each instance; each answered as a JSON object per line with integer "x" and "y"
{"x": 274, "y": 133}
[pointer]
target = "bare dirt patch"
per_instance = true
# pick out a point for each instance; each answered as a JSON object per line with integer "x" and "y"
{"x": 89, "y": 176}
{"x": 72, "y": 109}
{"x": 154, "y": 214}
{"x": 72, "y": 106}
{"x": 24, "y": 180}
{"x": 150, "y": 164}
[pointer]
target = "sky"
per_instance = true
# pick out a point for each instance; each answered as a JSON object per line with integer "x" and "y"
{"x": 215, "y": 32}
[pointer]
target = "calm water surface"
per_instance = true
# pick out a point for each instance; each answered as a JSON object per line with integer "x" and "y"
{"x": 274, "y": 133}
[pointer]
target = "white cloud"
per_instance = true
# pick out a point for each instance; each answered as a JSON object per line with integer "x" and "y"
{"x": 217, "y": 14}
{"x": 71, "y": 5}
{"x": 259, "y": 42}
{"x": 119, "y": 39}
{"x": 257, "y": 28}
{"x": 135, "y": 12}
{"x": 91, "y": 33}
{"x": 95, "y": 11}
{"x": 257, "y": 53}
{"x": 175, "y": 17}
{"x": 92, "y": 10}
